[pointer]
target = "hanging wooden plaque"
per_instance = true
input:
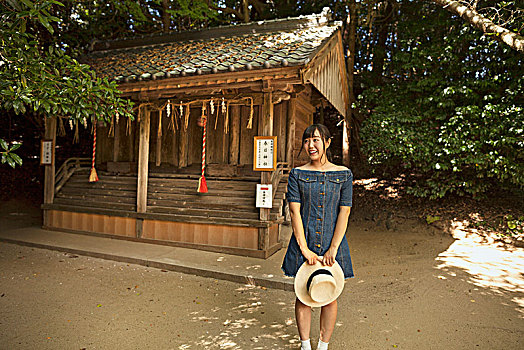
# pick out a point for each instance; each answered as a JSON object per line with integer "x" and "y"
{"x": 265, "y": 153}
{"x": 46, "y": 152}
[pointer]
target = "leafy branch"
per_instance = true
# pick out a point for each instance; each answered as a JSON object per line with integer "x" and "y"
{"x": 7, "y": 155}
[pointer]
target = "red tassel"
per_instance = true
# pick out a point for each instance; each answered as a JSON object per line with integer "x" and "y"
{"x": 202, "y": 185}
{"x": 93, "y": 177}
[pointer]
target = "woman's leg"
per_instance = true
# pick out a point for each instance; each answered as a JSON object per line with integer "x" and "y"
{"x": 328, "y": 317}
{"x": 303, "y": 316}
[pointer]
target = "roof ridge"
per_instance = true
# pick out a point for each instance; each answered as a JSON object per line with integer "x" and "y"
{"x": 273, "y": 25}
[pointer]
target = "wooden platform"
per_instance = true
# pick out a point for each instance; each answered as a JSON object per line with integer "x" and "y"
{"x": 224, "y": 219}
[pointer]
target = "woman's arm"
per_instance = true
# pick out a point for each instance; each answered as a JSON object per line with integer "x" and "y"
{"x": 340, "y": 231}
{"x": 298, "y": 231}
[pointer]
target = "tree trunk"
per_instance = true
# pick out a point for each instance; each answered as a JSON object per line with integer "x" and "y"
{"x": 166, "y": 17}
{"x": 484, "y": 24}
{"x": 245, "y": 10}
{"x": 379, "y": 52}
{"x": 352, "y": 40}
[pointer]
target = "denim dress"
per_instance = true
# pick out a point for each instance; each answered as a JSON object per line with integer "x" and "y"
{"x": 320, "y": 194}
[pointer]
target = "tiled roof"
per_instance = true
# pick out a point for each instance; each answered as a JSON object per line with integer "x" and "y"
{"x": 260, "y": 45}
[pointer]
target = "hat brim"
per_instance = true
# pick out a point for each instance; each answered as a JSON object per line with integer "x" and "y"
{"x": 303, "y": 274}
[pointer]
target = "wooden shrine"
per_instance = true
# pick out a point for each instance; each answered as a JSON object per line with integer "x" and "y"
{"x": 255, "y": 79}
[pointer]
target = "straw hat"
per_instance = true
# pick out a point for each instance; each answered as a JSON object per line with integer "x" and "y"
{"x": 318, "y": 285}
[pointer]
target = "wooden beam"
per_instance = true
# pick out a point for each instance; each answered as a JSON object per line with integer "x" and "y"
{"x": 234, "y": 135}
{"x": 291, "y": 125}
{"x": 227, "y": 79}
{"x": 143, "y": 162}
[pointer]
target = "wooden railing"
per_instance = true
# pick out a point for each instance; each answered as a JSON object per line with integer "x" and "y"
{"x": 277, "y": 175}
{"x": 67, "y": 169}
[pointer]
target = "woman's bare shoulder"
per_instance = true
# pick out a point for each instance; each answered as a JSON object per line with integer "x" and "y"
{"x": 340, "y": 168}
{"x": 303, "y": 167}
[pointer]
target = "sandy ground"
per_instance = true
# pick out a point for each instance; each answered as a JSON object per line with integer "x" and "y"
{"x": 414, "y": 289}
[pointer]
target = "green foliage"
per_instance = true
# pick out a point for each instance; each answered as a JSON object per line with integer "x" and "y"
{"x": 197, "y": 10}
{"x": 41, "y": 77}
{"x": 431, "y": 219}
{"x": 7, "y": 154}
{"x": 112, "y": 19}
{"x": 450, "y": 109}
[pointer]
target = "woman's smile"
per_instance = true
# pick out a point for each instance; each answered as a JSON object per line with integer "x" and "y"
{"x": 314, "y": 146}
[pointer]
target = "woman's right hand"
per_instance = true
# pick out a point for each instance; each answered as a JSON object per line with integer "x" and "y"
{"x": 310, "y": 257}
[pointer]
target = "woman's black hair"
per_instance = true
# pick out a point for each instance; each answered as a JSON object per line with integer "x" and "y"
{"x": 324, "y": 135}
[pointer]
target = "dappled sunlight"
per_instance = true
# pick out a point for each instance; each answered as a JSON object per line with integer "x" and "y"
{"x": 499, "y": 269}
{"x": 387, "y": 188}
{"x": 251, "y": 323}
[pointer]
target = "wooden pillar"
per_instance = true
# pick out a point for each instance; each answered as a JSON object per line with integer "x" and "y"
{"x": 116, "y": 142}
{"x": 267, "y": 114}
{"x": 182, "y": 145}
{"x": 143, "y": 163}
{"x": 131, "y": 140}
{"x": 158, "y": 149}
{"x": 234, "y": 135}
{"x": 345, "y": 144}
{"x": 266, "y": 127}
{"x": 49, "y": 171}
{"x": 174, "y": 147}
{"x": 225, "y": 141}
{"x": 280, "y": 124}
{"x": 291, "y": 127}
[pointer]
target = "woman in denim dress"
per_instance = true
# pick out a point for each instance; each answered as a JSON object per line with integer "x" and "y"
{"x": 320, "y": 198}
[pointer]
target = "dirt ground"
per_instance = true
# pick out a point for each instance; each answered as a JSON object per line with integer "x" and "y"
{"x": 416, "y": 287}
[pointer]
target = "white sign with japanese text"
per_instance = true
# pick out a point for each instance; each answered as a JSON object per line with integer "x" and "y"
{"x": 264, "y": 196}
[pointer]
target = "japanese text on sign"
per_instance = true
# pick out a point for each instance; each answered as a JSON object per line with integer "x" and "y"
{"x": 265, "y": 153}
{"x": 264, "y": 196}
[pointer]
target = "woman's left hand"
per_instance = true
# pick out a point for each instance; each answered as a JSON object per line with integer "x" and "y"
{"x": 329, "y": 257}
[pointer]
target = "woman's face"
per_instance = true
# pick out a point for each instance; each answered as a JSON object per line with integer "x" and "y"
{"x": 315, "y": 146}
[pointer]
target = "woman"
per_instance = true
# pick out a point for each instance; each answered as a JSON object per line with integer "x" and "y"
{"x": 320, "y": 198}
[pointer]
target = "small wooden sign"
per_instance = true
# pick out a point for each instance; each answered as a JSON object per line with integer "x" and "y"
{"x": 46, "y": 152}
{"x": 264, "y": 196}
{"x": 265, "y": 153}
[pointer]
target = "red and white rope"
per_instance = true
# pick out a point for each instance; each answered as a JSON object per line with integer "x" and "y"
{"x": 204, "y": 147}
{"x": 94, "y": 146}
{"x": 93, "y": 177}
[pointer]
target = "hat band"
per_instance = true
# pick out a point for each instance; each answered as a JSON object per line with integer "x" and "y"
{"x": 316, "y": 273}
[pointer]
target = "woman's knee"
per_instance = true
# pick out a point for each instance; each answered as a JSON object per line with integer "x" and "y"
{"x": 331, "y": 305}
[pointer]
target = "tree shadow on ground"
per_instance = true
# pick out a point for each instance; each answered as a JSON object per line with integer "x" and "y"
{"x": 252, "y": 323}
{"x": 495, "y": 267}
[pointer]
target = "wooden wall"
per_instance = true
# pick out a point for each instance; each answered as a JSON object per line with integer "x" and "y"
{"x": 304, "y": 118}
{"x": 124, "y": 146}
{"x": 235, "y": 239}
{"x": 204, "y": 234}
{"x": 84, "y": 222}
